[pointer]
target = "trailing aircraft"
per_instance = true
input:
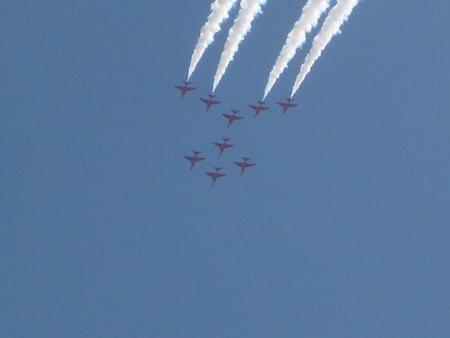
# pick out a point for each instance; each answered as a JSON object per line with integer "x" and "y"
{"x": 194, "y": 159}
{"x": 232, "y": 117}
{"x": 215, "y": 175}
{"x": 224, "y": 145}
{"x": 244, "y": 165}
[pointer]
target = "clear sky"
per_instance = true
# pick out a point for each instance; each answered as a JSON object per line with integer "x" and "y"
{"x": 342, "y": 229}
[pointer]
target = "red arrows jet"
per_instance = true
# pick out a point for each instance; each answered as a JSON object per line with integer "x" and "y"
{"x": 215, "y": 174}
{"x": 244, "y": 165}
{"x": 224, "y": 145}
{"x": 286, "y": 105}
{"x": 232, "y": 117}
{"x": 258, "y": 108}
{"x": 194, "y": 159}
{"x": 184, "y": 89}
{"x": 209, "y": 101}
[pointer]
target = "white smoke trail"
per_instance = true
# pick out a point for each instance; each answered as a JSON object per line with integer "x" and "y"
{"x": 331, "y": 26}
{"x": 219, "y": 13}
{"x": 241, "y": 26}
{"x": 311, "y": 13}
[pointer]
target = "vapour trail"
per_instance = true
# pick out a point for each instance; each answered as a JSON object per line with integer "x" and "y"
{"x": 311, "y": 13}
{"x": 331, "y": 26}
{"x": 241, "y": 26}
{"x": 219, "y": 13}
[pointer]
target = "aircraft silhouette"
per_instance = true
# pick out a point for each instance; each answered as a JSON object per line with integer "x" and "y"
{"x": 215, "y": 175}
{"x": 258, "y": 108}
{"x": 244, "y": 165}
{"x": 184, "y": 89}
{"x": 286, "y": 105}
{"x": 224, "y": 145}
{"x": 194, "y": 159}
{"x": 232, "y": 117}
{"x": 209, "y": 101}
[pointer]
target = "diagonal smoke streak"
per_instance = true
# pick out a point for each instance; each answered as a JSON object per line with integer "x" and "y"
{"x": 241, "y": 26}
{"x": 331, "y": 26}
{"x": 311, "y": 13}
{"x": 219, "y": 13}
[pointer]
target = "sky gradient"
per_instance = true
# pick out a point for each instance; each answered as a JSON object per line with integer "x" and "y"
{"x": 340, "y": 230}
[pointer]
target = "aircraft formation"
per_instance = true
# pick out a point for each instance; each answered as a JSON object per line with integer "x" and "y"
{"x": 310, "y": 16}
{"x": 225, "y": 143}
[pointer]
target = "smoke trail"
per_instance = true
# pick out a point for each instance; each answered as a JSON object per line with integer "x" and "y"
{"x": 241, "y": 26}
{"x": 219, "y": 13}
{"x": 309, "y": 18}
{"x": 331, "y": 26}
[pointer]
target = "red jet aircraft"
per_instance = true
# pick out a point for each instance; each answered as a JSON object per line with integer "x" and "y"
{"x": 224, "y": 145}
{"x": 244, "y": 165}
{"x": 209, "y": 101}
{"x": 286, "y": 105}
{"x": 259, "y": 108}
{"x": 184, "y": 89}
{"x": 215, "y": 174}
{"x": 194, "y": 159}
{"x": 232, "y": 117}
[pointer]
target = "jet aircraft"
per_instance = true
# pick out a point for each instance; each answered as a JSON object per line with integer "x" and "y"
{"x": 215, "y": 174}
{"x": 184, "y": 89}
{"x": 286, "y": 105}
{"x": 224, "y": 145}
{"x": 209, "y": 101}
{"x": 258, "y": 108}
{"x": 232, "y": 117}
{"x": 194, "y": 159}
{"x": 244, "y": 165}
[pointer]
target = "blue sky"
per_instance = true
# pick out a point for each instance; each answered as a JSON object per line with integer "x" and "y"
{"x": 340, "y": 230}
